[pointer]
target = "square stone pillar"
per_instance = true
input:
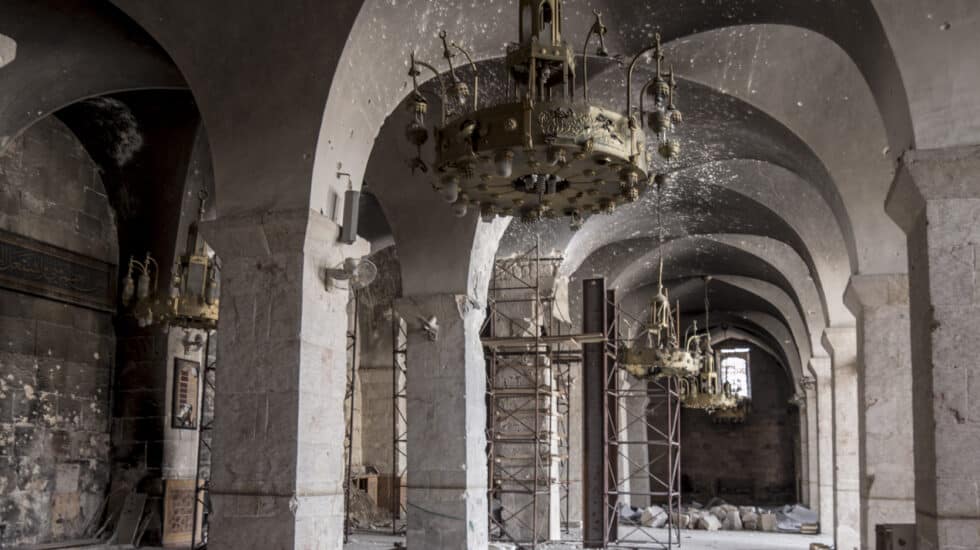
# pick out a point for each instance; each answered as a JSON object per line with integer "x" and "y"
{"x": 841, "y": 343}
{"x": 802, "y": 471}
{"x": 812, "y": 441}
{"x": 277, "y": 478}
{"x": 936, "y": 200}
{"x": 447, "y": 447}
{"x": 820, "y": 366}
{"x": 880, "y": 305}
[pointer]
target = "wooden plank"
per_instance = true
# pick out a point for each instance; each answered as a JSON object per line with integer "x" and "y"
{"x": 129, "y": 518}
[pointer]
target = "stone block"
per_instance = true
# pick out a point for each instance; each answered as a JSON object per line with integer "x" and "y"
{"x": 50, "y": 374}
{"x": 732, "y": 521}
{"x": 767, "y": 522}
{"x": 18, "y": 334}
{"x": 53, "y": 339}
{"x": 66, "y": 478}
{"x": 70, "y": 412}
{"x": 709, "y": 522}
{"x": 653, "y": 516}
{"x": 25, "y": 407}
{"x": 750, "y": 521}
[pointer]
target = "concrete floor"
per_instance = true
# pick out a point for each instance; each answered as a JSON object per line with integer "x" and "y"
{"x": 690, "y": 540}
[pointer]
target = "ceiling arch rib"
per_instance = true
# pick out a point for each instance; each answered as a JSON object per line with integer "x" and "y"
{"x": 745, "y": 255}
{"x": 783, "y": 71}
{"x": 756, "y": 199}
{"x": 105, "y": 54}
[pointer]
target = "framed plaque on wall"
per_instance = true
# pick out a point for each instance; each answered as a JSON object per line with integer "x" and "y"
{"x": 184, "y": 413}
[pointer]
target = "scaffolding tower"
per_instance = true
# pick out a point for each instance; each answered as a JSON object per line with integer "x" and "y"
{"x": 399, "y": 421}
{"x": 529, "y": 359}
{"x": 202, "y": 482}
{"x": 643, "y": 443}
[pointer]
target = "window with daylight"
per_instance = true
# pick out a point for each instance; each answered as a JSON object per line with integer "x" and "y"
{"x": 735, "y": 370}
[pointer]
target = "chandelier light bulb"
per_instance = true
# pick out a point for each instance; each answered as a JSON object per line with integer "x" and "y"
{"x": 504, "y": 162}
{"x": 459, "y": 208}
{"x": 143, "y": 286}
{"x": 450, "y": 191}
{"x": 129, "y": 289}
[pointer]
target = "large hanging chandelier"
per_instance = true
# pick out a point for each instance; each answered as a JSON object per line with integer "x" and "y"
{"x": 191, "y": 300}
{"x": 663, "y": 355}
{"x": 541, "y": 153}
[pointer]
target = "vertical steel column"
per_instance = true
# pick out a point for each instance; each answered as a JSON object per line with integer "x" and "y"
{"x": 594, "y": 438}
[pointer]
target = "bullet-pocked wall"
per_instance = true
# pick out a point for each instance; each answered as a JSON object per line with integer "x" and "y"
{"x": 752, "y": 463}
{"x": 56, "y": 357}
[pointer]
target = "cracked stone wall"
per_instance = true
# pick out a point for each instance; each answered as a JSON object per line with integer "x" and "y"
{"x": 55, "y": 358}
{"x": 750, "y": 463}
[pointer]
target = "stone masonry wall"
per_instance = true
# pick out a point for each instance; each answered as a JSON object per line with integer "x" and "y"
{"x": 55, "y": 358}
{"x": 750, "y": 463}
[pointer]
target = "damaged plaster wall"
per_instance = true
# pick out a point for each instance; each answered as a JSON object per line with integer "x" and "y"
{"x": 55, "y": 358}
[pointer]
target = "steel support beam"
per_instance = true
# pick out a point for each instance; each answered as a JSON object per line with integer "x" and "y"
{"x": 594, "y": 479}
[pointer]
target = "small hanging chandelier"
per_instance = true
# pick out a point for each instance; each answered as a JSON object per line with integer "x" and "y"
{"x": 707, "y": 391}
{"x": 541, "y": 153}
{"x": 192, "y": 300}
{"x": 662, "y": 355}
{"x": 140, "y": 295}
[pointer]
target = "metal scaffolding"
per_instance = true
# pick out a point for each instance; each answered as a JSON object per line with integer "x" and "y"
{"x": 643, "y": 443}
{"x": 529, "y": 358}
{"x": 349, "y": 398}
{"x": 399, "y": 421}
{"x": 202, "y": 482}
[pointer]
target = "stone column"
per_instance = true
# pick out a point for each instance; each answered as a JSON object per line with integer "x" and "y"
{"x": 279, "y": 431}
{"x": 880, "y": 305}
{"x": 447, "y": 460}
{"x": 803, "y": 454}
{"x": 841, "y": 342}
{"x": 825, "y": 440}
{"x": 633, "y": 422}
{"x": 812, "y": 443}
{"x": 936, "y": 201}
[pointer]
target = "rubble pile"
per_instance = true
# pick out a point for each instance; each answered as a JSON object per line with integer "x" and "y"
{"x": 718, "y": 515}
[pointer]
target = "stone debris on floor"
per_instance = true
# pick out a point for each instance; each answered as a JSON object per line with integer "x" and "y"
{"x": 690, "y": 540}
{"x": 719, "y": 515}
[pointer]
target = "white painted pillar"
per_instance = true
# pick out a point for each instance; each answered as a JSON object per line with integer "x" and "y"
{"x": 841, "y": 342}
{"x": 812, "y": 441}
{"x": 820, "y": 366}
{"x": 880, "y": 305}
{"x": 447, "y": 460}
{"x": 936, "y": 200}
{"x": 277, "y": 479}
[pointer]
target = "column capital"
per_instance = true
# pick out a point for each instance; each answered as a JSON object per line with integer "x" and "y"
{"x": 820, "y": 367}
{"x": 261, "y": 234}
{"x": 932, "y": 174}
{"x": 877, "y": 290}
{"x": 840, "y": 342}
{"x": 808, "y": 383}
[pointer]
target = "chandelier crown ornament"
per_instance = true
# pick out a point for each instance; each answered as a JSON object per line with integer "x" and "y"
{"x": 539, "y": 153}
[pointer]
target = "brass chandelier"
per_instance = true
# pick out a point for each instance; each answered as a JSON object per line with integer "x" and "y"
{"x": 707, "y": 391}
{"x": 542, "y": 153}
{"x": 191, "y": 300}
{"x": 663, "y": 354}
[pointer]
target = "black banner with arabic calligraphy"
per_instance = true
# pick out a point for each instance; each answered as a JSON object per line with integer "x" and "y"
{"x": 34, "y": 267}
